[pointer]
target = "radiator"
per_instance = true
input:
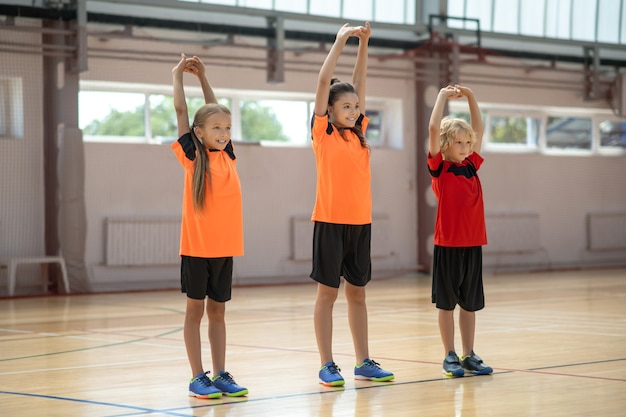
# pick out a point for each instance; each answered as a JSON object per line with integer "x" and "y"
{"x": 513, "y": 232}
{"x": 137, "y": 241}
{"x": 302, "y": 237}
{"x": 606, "y": 231}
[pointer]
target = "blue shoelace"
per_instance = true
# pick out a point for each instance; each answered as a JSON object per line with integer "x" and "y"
{"x": 226, "y": 376}
{"x": 333, "y": 369}
{"x": 372, "y": 364}
{"x": 205, "y": 380}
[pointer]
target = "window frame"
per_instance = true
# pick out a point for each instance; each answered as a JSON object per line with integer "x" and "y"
{"x": 388, "y": 108}
{"x": 608, "y": 150}
{"x": 11, "y": 108}
{"x": 542, "y": 114}
{"x": 489, "y": 145}
{"x": 569, "y": 151}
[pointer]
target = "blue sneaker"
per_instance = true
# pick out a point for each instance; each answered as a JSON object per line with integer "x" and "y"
{"x": 330, "y": 376}
{"x": 227, "y": 385}
{"x": 452, "y": 365}
{"x": 475, "y": 365}
{"x": 202, "y": 387}
{"x": 372, "y": 371}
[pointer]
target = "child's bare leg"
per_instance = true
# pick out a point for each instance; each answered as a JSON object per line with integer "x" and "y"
{"x": 467, "y": 325}
{"x": 357, "y": 317}
{"x": 446, "y": 328}
{"x": 217, "y": 334}
{"x": 323, "y": 320}
{"x": 191, "y": 333}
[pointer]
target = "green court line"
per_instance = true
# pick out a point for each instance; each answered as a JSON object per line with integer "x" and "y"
{"x": 141, "y": 339}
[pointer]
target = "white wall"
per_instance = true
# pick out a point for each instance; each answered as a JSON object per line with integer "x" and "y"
{"x": 563, "y": 191}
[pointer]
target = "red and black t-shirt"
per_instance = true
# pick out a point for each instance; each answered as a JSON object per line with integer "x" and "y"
{"x": 460, "y": 214}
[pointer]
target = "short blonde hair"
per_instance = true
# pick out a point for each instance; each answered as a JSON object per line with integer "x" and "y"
{"x": 451, "y": 128}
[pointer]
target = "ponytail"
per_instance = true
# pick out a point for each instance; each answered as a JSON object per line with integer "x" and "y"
{"x": 201, "y": 171}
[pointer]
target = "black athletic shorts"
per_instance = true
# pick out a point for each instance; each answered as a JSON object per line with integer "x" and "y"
{"x": 202, "y": 277}
{"x": 341, "y": 250}
{"x": 458, "y": 278}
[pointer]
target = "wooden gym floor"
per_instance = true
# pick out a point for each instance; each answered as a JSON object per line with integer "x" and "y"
{"x": 556, "y": 341}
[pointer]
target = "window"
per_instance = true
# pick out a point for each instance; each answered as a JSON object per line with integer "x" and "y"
{"x": 504, "y": 131}
{"x": 259, "y": 4}
{"x": 550, "y": 130}
{"x": 374, "y": 128}
{"x": 274, "y": 120}
{"x": 162, "y": 116}
{"x": 478, "y": 10}
{"x": 610, "y": 21}
{"x": 520, "y": 132}
{"x": 505, "y": 16}
{"x": 532, "y": 17}
{"x": 131, "y": 113}
{"x": 358, "y": 10}
{"x": 583, "y": 17}
{"x": 390, "y": 11}
{"x": 612, "y": 134}
{"x": 125, "y": 116}
{"x": 398, "y": 11}
{"x": 112, "y": 116}
{"x": 581, "y": 20}
{"x": 558, "y": 22}
{"x": 325, "y": 8}
{"x": 572, "y": 133}
{"x": 132, "y": 117}
{"x": 11, "y": 108}
{"x": 295, "y": 6}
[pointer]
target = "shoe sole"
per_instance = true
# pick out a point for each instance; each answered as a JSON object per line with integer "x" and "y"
{"x": 207, "y": 396}
{"x": 457, "y": 374}
{"x": 333, "y": 383}
{"x": 483, "y": 372}
{"x": 381, "y": 379}
{"x": 236, "y": 394}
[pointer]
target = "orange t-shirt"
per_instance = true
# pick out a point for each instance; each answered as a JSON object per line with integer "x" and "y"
{"x": 216, "y": 230}
{"x": 343, "y": 193}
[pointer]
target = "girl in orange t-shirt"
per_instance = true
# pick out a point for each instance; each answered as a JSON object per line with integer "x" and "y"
{"x": 343, "y": 208}
{"x": 211, "y": 229}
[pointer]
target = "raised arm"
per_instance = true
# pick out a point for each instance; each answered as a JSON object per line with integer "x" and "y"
{"x": 328, "y": 68}
{"x": 434, "y": 126}
{"x": 196, "y": 66}
{"x": 180, "y": 105}
{"x": 476, "y": 118}
{"x": 359, "y": 75}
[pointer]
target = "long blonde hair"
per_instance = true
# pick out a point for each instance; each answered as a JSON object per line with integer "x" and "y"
{"x": 451, "y": 128}
{"x": 202, "y": 170}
